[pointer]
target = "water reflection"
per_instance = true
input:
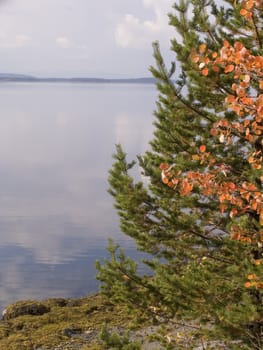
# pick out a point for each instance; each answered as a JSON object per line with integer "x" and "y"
{"x": 56, "y": 143}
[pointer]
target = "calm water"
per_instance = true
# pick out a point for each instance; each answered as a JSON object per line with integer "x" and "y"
{"x": 56, "y": 143}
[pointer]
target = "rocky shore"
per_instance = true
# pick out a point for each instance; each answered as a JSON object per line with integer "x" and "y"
{"x": 67, "y": 324}
{"x": 58, "y": 323}
{"x": 76, "y": 324}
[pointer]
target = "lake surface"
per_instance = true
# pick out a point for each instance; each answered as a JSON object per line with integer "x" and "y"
{"x": 56, "y": 146}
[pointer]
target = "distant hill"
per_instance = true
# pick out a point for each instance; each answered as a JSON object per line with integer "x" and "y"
{"x": 14, "y": 77}
{"x": 28, "y": 78}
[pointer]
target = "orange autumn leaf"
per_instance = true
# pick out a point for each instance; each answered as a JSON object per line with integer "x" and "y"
{"x": 233, "y": 213}
{"x": 206, "y": 60}
{"x": 256, "y": 166}
{"x": 214, "y": 54}
{"x": 222, "y": 208}
{"x": 238, "y": 46}
{"x": 186, "y": 189}
{"x": 205, "y": 72}
{"x": 234, "y": 199}
{"x": 248, "y": 15}
{"x": 252, "y": 277}
{"x": 247, "y": 101}
{"x": 165, "y": 180}
{"x": 232, "y": 186}
{"x": 202, "y": 148}
{"x": 246, "y": 240}
{"x": 250, "y": 4}
{"x": 164, "y": 166}
{"x": 230, "y": 99}
{"x": 196, "y": 58}
{"x": 236, "y": 236}
{"x": 248, "y": 284}
{"x": 246, "y": 123}
{"x": 175, "y": 182}
{"x": 257, "y": 262}
{"x": 215, "y": 68}
{"x": 243, "y": 12}
{"x": 229, "y": 68}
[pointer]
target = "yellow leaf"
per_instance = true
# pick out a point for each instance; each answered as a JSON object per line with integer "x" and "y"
{"x": 257, "y": 262}
{"x": 195, "y": 157}
{"x": 202, "y": 48}
{"x": 261, "y": 218}
{"x": 246, "y": 78}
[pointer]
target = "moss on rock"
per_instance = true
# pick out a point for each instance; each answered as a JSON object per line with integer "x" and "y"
{"x": 57, "y": 324}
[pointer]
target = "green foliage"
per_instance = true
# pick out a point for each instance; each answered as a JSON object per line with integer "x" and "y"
{"x": 195, "y": 270}
{"x": 115, "y": 341}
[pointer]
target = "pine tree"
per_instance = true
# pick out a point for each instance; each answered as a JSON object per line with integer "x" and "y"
{"x": 197, "y": 271}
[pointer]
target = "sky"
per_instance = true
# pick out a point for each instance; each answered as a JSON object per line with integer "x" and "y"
{"x": 66, "y": 38}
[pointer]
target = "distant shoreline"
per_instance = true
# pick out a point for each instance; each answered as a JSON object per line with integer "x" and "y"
{"x": 6, "y": 78}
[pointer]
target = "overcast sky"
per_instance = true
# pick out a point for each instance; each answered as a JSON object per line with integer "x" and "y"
{"x": 103, "y": 38}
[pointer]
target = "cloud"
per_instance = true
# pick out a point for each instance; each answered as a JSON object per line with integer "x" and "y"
{"x": 22, "y": 40}
{"x": 132, "y": 32}
{"x": 63, "y": 42}
{"x": 15, "y": 41}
